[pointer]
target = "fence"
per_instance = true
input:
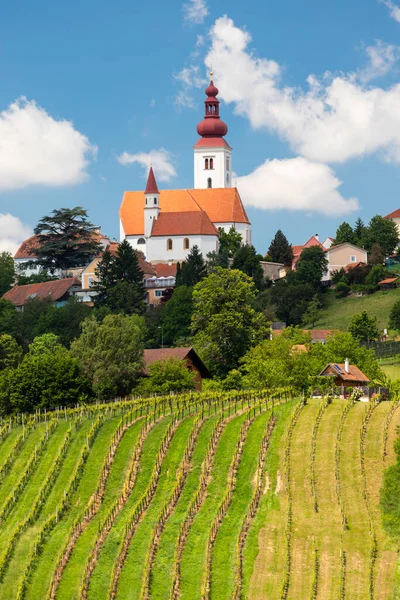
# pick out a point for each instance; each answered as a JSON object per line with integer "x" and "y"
{"x": 383, "y": 349}
{"x": 345, "y": 392}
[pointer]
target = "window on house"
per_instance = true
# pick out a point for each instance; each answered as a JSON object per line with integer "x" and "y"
{"x": 90, "y": 281}
{"x": 169, "y": 244}
{"x": 209, "y": 182}
{"x": 186, "y": 244}
{"x": 141, "y": 241}
{"x": 211, "y": 163}
{"x": 206, "y": 164}
{"x": 353, "y": 258}
{"x": 158, "y": 293}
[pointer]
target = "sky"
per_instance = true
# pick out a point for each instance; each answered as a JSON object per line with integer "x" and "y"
{"x": 92, "y": 91}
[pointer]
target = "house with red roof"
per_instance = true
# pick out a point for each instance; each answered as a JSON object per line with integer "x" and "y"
{"x": 395, "y": 216}
{"x": 166, "y": 224}
{"x": 57, "y": 292}
{"x": 187, "y": 354}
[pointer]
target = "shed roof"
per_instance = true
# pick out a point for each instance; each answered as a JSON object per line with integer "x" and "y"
{"x": 153, "y": 355}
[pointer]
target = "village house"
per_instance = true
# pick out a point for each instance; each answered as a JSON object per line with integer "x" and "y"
{"x": 395, "y": 216}
{"x": 57, "y": 292}
{"x": 189, "y": 355}
{"x": 345, "y": 375}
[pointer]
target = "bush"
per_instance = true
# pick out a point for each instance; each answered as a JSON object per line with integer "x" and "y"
{"x": 165, "y": 376}
{"x": 342, "y": 289}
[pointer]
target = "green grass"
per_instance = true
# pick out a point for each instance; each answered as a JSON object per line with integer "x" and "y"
{"x": 391, "y": 367}
{"x": 194, "y": 553}
{"x": 337, "y": 313}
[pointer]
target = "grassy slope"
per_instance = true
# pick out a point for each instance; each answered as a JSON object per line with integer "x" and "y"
{"x": 391, "y": 366}
{"x": 100, "y": 580}
{"x": 73, "y": 574}
{"x": 7, "y": 443}
{"x": 338, "y": 312}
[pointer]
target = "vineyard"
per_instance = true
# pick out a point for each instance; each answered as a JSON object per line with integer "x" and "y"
{"x": 199, "y": 497}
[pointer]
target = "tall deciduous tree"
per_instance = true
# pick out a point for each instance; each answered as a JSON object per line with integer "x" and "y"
{"x": 280, "y": 250}
{"x": 10, "y": 352}
{"x": 311, "y": 266}
{"x": 66, "y": 239}
{"x": 345, "y": 233}
{"x": 394, "y": 319}
{"x": 6, "y": 272}
{"x": 229, "y": 242}
{"x": 383, "y": 232}
{"x": 224, "y": 321}
{"x": 363, "y": 327}
{"x": 247, "y": 260}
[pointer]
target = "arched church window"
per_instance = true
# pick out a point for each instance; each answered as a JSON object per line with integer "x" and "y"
{"x": 206, "y": 163}
{"x": 169, "y": 244}
{"x": 146, "y": 201}
{"x": 209, "y": 182}
{"x": 141, "y": 241}
{"x": 186, "y": 244}
{"x": 155, "y": 200}
{"x": 211, "y": 163}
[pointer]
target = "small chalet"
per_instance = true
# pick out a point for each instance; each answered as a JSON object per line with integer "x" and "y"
{"x": 345, "y": 375}
{"x": 190, "y": 356}
{"x": 388, "y": 284}
{"x": 57, "y": 292}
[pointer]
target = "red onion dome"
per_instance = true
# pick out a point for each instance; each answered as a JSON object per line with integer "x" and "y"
{"x": 211, "y": 90}
{"x": 212, "y": 127}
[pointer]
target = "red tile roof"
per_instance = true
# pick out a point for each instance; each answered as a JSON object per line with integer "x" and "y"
{"x": 354, "y": 374}
{"x": 165, "y": 270}
{"x": 389, "y": 280}
{"x": 394, "y": 215}
{"x": 28, "y": 248}
{"x": 186, "y": 223}
{"x": 297, "y": 250}
{"x": 222, "y": 205}
{"x": 20, "y": 294}
{"x": 210, "y": 142}
{"x": 151, "y": 356}
{"x": 354, "y": 265}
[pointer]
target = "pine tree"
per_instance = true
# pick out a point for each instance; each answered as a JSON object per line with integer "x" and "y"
{"x": 280, "y": 250}
{"x": 359, "y": 231}
{"x": 106, "y": 278}
{"x": 247, "y": 260}
{"x": 193, "y": 269}
{"x": 127, "y": 264}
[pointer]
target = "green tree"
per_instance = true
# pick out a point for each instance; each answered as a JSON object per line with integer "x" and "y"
{"x": 247, "y": 260}
{"x": 394, "y": 319}
{"x": 291, "y": 299}
{"x": 6, "y": 272}
{"x": 111, "y": 353}
{"x": 359, "y": 232}
{"x": 363, "y": 327}
{"x": 177, "y": 315}
{"x": 66, "y": 239}
{"x": 47, "y": 343}
{"x": 127, "y": 264}
{"x": 192, "y": 270}
{"x": 126, "y": 298}
{"x": 345, "y": 233}
{"x": 165, "y": 376}
{"x": 311, "y": 266}
{"x": 376, "y": 256}
{"x": 40, "y": 277}
{"x": 224, "y": 322}
{"x": 106, "y": 278}
{"x": 383, "y": 232}
{"x": 10, "y": 352}
{"x": 280, "y": 250}
{"x": 313, "y": 311}
{"x": 229, "y": 242}
{"x": 376, "y": 274}
{"x": 43, "y": 381}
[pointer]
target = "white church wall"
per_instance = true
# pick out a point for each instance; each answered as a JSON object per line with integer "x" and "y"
{"x": 243, "y": 228}
{"x": 157, "y": 247}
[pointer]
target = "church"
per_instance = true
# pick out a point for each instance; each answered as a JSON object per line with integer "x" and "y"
{"x": 166, "y": 224}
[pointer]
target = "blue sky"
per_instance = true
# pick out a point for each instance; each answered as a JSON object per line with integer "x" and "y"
{"x": 85, "y": 82}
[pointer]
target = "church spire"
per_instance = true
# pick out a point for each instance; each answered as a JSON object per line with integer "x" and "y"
{"x": 212, "y": 125}
{"x": 151, "y": 185}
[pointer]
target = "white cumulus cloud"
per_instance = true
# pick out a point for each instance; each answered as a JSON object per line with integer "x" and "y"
{"x": 295, "y": 184}
{"x": 336, "y": 118}
{"x": 36, "y": 149}
{"x": 195, "y": 11}
{"x": 393, "y": 8}
{"x": 161, "y": 160}
{"x": 381, "y": 60}
{"x": 12, "y": 233}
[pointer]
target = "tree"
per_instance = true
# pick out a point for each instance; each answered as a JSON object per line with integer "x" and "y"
{"x": 376, "y": 256}
{"x": 40, "y": 277}
{"x": 376, "y": 274}
{"x": 280, "y": 250}
{"x": 6, "y": 272}
{"x": 224, "y": 322}
{"x": 47, "y": 343}
{"x": 394, "y": 319}
{"x": 192, "y": 270}
{"x": 359, "y": 232}
{"x": 291, "y": 299}
{"x": 127, "y": 264}
{"x": 66, "y": 239}
{"x": 345, "y": 233}
{"x": 63, "y": 321}
{"x": 43, "y": 381}
{"x": 383, "y": 232}
{"x": 177, "y": 315}
{"x": 313, "y": 311}
{"x": 10, "y": 352}
{"x": 247, "y": 260}
{"x": 311, "y": 266}
{"x": 165, "y": 376}
{"x": 230, "y": 242}
{"x": 111, "y": 353}
{"x": 363, "y": 327}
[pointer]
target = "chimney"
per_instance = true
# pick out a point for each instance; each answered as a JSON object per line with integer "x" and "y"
{"x": 316, "y": 237}
{"x": 347, "y": 365}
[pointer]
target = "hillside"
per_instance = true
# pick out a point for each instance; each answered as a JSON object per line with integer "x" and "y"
{"x": 337, "y": 313}
{"x": 204, "y": 498}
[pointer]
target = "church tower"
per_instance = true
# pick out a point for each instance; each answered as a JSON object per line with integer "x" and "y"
{"x": 152, "y": 203}
{"x": 212, "y": 154}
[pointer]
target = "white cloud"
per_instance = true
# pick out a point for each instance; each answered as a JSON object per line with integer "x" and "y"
{"x": 295, "y": 184}
{"x": 36, "y": 149}
{"x": 394, "y": 9}
{"x": 161, "y": 160}
{"x": 12, "y": 233}
{"x": 190, "y": 78}
{"x": 334, "y": 120}
{"x": 195, "y": 11}
{"x": 381, "y": 60}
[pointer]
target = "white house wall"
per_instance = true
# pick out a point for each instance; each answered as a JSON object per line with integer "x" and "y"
{"x": 219, "y": 173}
{"x": 243, "y": 228}
{"x": 157, "y": 247}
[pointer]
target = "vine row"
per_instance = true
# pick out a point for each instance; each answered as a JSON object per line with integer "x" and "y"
{"x": 313, "y": 481}
{"x": 386, "y": 425}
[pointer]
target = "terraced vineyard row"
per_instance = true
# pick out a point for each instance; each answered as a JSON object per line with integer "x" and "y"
{"x": 198, "y": 497}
